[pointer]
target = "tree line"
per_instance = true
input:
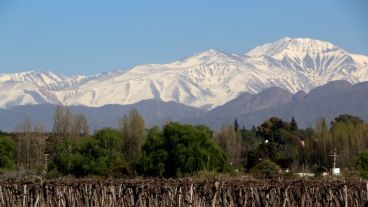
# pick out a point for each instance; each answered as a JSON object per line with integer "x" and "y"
{"x": 176, "y": 150}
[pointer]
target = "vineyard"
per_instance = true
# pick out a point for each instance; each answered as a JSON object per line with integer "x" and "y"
{"x": 181, "y": 192}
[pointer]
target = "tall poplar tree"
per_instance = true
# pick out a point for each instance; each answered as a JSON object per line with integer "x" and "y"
{"x": 133, "y": 131}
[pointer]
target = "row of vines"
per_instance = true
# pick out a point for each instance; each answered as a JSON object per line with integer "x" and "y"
{"x": 181, "y": 192}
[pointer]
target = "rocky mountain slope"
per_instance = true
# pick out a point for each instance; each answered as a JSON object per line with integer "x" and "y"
{"x": 326, "y": 101}
{"x": 154, "y": 112}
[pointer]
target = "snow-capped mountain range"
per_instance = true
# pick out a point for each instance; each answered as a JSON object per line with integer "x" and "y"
{"x": 205, "y": 80}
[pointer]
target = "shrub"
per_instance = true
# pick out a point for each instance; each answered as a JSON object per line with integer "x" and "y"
{"x": 361, "y": 164}
{"x": 266, "y": 169}
{"x": 7, "y": 154}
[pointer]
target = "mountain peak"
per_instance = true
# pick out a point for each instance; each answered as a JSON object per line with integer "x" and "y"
{"x": 205, "y": 79}
{"x": 207, "y": 57}
{"x": 211, "y": 51}
{"x": 287, "y": 46}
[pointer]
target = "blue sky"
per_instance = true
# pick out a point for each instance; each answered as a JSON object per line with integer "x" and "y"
{"x": 89, "y": 37}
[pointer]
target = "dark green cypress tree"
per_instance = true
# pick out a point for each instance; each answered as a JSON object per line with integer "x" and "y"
{"x": 293, "y": 124}
{"x": 236, "y": 125}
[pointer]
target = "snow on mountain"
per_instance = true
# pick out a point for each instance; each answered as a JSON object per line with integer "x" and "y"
{"x": 34, "y": 77}
{"x": 206, "y": 79}
{"x": 32, "y": 87}
{"x": 311, "y": 62}
{"x": 45, "y": 79}
{"x": 207, "y": 57}
{"x": 201, "y": 81}
{"x": 292, "y": 47}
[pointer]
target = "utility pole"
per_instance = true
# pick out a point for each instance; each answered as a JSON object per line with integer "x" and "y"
{"x": 335, "y": 171}
{"x": 334, "y": 155}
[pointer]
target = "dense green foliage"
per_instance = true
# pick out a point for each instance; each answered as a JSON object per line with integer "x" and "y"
{"x": 348, "y": 136}
{"x": 91, "y": 155}
{"x": 7, "y": 154}
{"x": 361, "y": 164}
{"x": 348, "y": 119}
{"x": 178, "y": 149}
{"x": 266, "y": 169}
{"x": 281, "y": 143}
{"x": 181, "y": 149}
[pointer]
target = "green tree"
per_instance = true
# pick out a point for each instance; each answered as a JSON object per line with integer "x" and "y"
{"x": 80, "y": 158}
{"x": 272, "y": 130}
{"x": 324, "y": 143}
{"x": 347, "y": 118}
{"x": 8, "y": 152}
{"x": 154, "y": 154}
{"x": 181, "y": 149}
{"x": 311, "y": 145}
{"x": 293, "y": 124}
{"x": 236, "y": 125}
{"x": 110, "y": 141}
{"x": 349, "y": 137}
{"x": 91, "y": 155}
{"x": 282, "y": 144}
{"x": 109, "y": 138}
{"x": 133, "y": 138}
{"x": 250, "y": 144}
{"x": 361, "y": 164}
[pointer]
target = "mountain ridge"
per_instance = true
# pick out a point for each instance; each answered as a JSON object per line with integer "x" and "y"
{"x": 326, "y": 101}
{"x": 204, "y": 80}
